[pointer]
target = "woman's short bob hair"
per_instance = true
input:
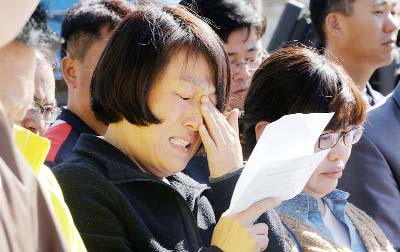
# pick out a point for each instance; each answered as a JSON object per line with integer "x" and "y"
{"x": 297, "y": 79}
{"x": 138, "y": 54}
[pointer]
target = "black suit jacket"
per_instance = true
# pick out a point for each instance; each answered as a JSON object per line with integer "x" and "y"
{"x": 372, "y": 175}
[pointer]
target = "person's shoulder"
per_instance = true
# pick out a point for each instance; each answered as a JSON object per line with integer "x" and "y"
{"x": 368, "y": 228}
{"x": 62, "y": 139}
{"x": 59, "y": 131}
{"x": 382, "y": 120}
{"x": 77, "y": 166}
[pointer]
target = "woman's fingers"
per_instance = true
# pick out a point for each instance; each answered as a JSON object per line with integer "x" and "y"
{"x": 259, "y": 232}
{"x": 212, "y": 120}
{"x": 260, "y": 229}
{"x": 233, "y": 119}
{"x": 208, "y": 142}
{"x": 251, "y": 214}
{"x": 224, "y": 151}
{"x": 261, "y": 242}
{"x": 231, "y": 235}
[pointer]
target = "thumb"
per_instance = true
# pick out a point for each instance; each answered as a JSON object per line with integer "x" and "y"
{"x": 251, "y": 214}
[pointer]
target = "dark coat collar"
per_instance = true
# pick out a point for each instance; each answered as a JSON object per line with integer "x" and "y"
{"x": 118, "y": 167}
{"x": 76, "y": 122}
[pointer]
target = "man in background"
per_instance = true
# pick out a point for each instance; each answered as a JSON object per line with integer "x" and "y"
{"x": 239, "y": 24}
{"x": 372, "y": 174}
{"x": 43, "y": 111}
{"x": 240, "y": 27}
{"x": 358, "y": 34}
{"x": 86, "y": 29}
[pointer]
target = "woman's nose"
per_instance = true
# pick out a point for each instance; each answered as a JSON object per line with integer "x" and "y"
{"x": 194, "y": 118}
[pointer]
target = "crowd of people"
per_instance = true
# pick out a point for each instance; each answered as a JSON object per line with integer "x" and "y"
{"x": 165, "y": 105}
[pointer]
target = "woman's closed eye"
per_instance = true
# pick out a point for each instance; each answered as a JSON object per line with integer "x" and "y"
{"x": 184, "y": 97}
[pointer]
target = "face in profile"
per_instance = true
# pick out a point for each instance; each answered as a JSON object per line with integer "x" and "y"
{"x": 38, "y": 116}
{"x": 78, "y": 74}
{"x": 325, "y": 178}
{"x": 372, "y": 26}
{"x": 87, "y": 65}
{"x": 245, "y": 55}
{"x": 174, "y": 99}
{"x": 17, "y": 70}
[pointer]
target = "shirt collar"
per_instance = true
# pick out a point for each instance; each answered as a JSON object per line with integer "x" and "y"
{"x": 300, "y": 206}
{"x": 77, "y": 123}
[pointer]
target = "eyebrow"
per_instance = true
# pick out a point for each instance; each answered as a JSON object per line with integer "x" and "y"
{"x": 252, "y": 49}
{"x": 38, "y": 100}
{"x": 381, "y": 3}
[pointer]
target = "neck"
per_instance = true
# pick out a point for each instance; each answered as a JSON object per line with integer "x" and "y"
{"x": 321, "y": 206}
{"x": 88, "y": 118}
{"x": 360, "y": 72}
{"x": 113, "y": 136}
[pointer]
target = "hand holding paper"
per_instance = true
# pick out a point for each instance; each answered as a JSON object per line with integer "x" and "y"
{"x": 282, "y": 161}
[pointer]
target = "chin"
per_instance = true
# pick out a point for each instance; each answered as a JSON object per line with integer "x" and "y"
{"x": 176, "y": 167}
{"x": 386, "y": 60}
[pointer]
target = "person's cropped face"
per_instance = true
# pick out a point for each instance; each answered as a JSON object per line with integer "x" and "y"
{"x": 86, "y": 67}
{"x": 175, "y": 99}
{"x": 17, "y": 71}
{"x": 243, "y": 47}
{"x": 44, "y": 96}
{"x": 325, "y": 178}
{"x": 370, "y": 31}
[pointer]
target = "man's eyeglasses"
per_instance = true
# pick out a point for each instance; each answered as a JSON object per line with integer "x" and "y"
{"x": 49, "y": 113}
{"x": 251, "y": 63}
{"x": 329, "y": 140}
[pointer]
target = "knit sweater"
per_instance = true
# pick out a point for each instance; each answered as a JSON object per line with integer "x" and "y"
{"x": 311, "y": 240}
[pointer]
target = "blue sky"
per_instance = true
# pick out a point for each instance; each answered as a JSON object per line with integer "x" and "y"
{"x": 58, "y": 7}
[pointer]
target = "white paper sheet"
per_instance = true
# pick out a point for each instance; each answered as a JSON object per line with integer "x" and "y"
{"x": 282, "y": 161}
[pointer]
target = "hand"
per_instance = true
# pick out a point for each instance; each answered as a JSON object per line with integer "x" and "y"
{"x": 220, "y": 139}
{"x": 237, "y": 232}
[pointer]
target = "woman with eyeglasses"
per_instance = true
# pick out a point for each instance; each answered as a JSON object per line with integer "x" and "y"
{"x": 297, "y": 79}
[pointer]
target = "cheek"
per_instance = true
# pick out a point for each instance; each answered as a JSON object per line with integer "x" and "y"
{"x": 318, "y": 171}
{"x": 347, "y": 154}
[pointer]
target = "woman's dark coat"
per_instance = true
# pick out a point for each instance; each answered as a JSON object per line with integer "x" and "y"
{"x": 116, "y": 207}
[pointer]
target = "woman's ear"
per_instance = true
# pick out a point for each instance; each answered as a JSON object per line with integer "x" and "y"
{"x": 260, "y": 126}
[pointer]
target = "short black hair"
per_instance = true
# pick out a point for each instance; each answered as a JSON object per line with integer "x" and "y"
{"x": 83, "y": 21}
{"x": 320, "y": 9}
{"x": 37, "y": 33}
{"x": 297, "y": 79}
{"x": 227, "y": 16}
{"x": 139, "y": 52}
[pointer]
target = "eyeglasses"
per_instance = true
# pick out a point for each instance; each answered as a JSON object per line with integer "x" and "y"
{"x": 251, "y": 63}
{"x": 49, "y": 113}
{"x": 329, "y": 140}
